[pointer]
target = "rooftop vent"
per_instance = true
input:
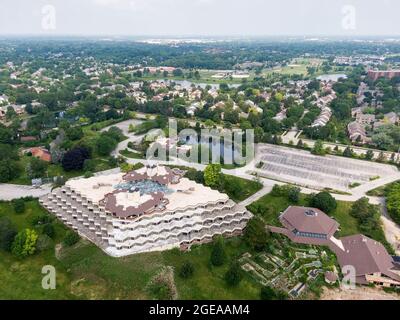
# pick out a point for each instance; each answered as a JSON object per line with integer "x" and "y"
{"x": 310, "y": 213}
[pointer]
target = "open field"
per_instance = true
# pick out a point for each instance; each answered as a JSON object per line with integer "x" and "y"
{"x": 86, "y": 272}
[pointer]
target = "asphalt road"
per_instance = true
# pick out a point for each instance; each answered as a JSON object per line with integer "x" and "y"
{"x": 12, "y": 191}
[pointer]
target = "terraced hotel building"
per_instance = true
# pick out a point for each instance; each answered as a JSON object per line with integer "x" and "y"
{"x": 150, "y": 209}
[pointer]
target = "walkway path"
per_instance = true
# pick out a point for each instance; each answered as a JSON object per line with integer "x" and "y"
{"x": 12, "y": 191}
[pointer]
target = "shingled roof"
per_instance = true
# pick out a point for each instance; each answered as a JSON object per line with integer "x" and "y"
{"x": 367, "y": 256}
{"x": 310, "y": 220}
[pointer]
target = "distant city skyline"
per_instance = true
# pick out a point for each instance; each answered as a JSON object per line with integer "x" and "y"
{"x": 200, "y": 17}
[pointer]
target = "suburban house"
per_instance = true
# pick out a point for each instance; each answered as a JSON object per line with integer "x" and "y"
{"x": 370, "y": 259}
{"x": 323, "y": 118}
{"x": 40, "y": 153}
{"x": 357, "y": 132}
{"x": 365, "y": 119}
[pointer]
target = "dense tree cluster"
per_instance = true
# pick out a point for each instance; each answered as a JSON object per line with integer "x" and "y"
{"x": 323, "y": 201}
{"x": 75, "y": 158}
{"x": 393, "y": 201}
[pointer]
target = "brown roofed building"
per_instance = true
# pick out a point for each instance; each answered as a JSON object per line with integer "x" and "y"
{"x": 388, "y": 74}
{"x": 307, "y": 225}
{"x": 154, "y": 208}
{"x": 370, "y": 259}
{"x": 41, "y": 153}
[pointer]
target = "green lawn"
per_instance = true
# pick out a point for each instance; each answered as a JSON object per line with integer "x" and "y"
{"x": 243, "y": 188}
{"x": 381, "y": 191}
{"x": 86, "y": 272}
{"x": 131, "y": 154}
{"x": 348, "y": 224}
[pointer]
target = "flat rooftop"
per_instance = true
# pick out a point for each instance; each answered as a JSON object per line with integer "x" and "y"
{"x": 177, "y": 195}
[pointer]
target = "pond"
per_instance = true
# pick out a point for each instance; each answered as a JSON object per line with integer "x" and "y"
{"x": 332, "y": 77}
{"x": 218, "y": 150}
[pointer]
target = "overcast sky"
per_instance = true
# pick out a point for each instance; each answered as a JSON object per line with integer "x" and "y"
{"x": 200, "y": 17}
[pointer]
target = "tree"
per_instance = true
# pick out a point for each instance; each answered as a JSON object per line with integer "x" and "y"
{"x": 9, "y": 170}
{"x": 369, "y": 155}
{"x": 294, "y": 194}
{"x": 231, "y": 116}
{"x": 234, "y": 275}
{"x": 75, "y": 158}
{"x": 323, "y": 201}
{"x": 300, "y": 143}
{"x": 7, "y": 233}
{"x": 71, "y": 238}
{"x": 36, "y": 168}
{"x": 48, "y": 230}
{"x": 393, "y": 202}
{"x": 218, "y": 255}
{"x": 19, "y": 205}
{"x": 318, "y": 148}
{"x": 177, "y": 73}
{"x": 74, "y": 133}
{"x": 348, "y": 152}
{"x": 382, "y": 140}
{"x": 24, "y": 243}
{"x": 10, "y": 113}
{"x": 367, "y": 215}
{"x": 268, "y": 293}
{"x": 255, "y": 234}
{"x": 105, "y": 145}
{"x": 186, "y": 271}
{"x": 213, "y": 175}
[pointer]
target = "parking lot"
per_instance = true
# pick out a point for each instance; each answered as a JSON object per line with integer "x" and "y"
{"x": 308, "y": 170}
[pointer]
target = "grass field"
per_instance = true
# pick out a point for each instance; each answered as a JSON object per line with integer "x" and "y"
{"x": 381, "y": 191}
{"x": 85, "y": 272}
{"x": 131, "y": 154}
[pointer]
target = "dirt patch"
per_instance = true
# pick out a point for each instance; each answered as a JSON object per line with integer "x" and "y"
{"x": 162, "y": 286}
{"x": 392, "y": 233}
{"x": 57, "y": 251}
{"x": 89, "y": 287}
{"x": 360, "y": 293}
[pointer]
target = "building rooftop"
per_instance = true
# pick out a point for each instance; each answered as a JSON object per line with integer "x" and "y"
{"x": 366, "y": 255}
{"x": 310, "y": 220}
{"x": 144, "y": 191}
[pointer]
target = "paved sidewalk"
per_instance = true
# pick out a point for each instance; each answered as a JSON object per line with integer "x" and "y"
{"x": 12, "y": 191}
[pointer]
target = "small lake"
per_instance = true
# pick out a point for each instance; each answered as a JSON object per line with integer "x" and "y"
{"x": 332, "y": 77}
{"x": 227, "y": 151}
